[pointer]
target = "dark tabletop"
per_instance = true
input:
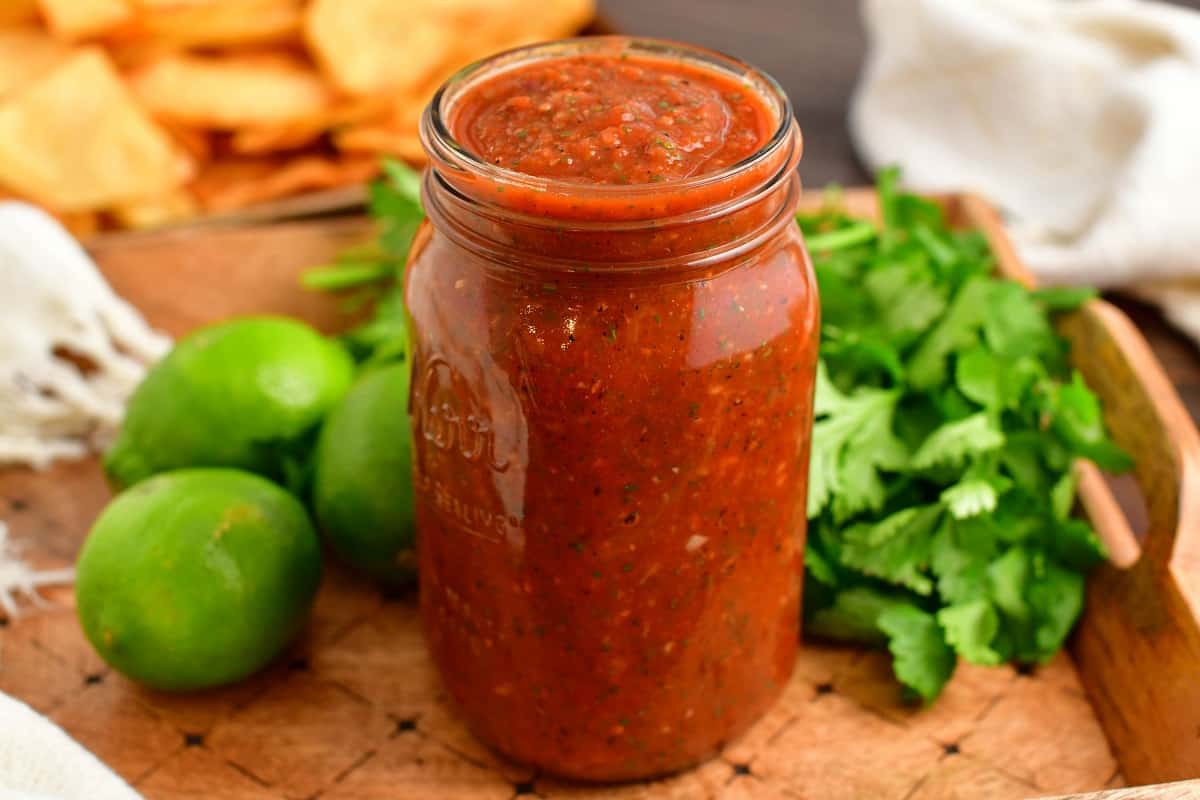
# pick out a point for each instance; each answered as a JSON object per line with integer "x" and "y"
{"x": 814, "y": 49}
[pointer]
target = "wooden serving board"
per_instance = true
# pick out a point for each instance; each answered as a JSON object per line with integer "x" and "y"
{"x": 355, "y": 710}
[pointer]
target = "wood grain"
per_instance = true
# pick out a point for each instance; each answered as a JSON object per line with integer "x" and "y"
{"x": 185, "y": 277}
{"x": 355, "y": 708}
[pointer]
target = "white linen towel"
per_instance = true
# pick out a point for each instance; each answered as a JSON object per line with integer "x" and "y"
{"x": 39, "y": 762}
{"x": 1079, "y": 118}
{"x": 52, "y": 297}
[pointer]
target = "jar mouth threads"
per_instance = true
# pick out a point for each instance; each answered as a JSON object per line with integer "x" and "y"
{"x": 649, "y": 247}
{"x": 487, "y": 182}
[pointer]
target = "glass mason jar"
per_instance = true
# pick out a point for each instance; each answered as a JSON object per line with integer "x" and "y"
{"x": 612, "y": 407}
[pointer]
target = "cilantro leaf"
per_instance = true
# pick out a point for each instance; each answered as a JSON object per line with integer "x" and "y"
{"x": 1019, "y": 516}
{"x": 1014, "y": 325}
{"x": 826, "y": 399}
{"x": 395, "y": 204}
{"x": 906, "y": 298}
{"x": 816, "y": 565}
{"x": 1040, "y": 601}
{"x": 895, "y": 549}
{"x": 1074, "y": 543}
{"x": 953, "y": 442}
{"x": 923, "y": 660}
{"x": 1055, "y": 596}
{"x": 969, "y": 498}
{"x": 384, "y": 337}
{"x": 978, "y": 375}
{"x": 959, "y": 557}
{"x": 852, "y": 441}
{"x": 970, "y": 629}
{"x": 862, "y": 353}
{"x": 1076, "y": 417}
{"x": 1062, "y": 495}
{"x": 993, "y": 382}
{"x": 957, "y": 330}
{"x": 853, "y": 616}
{"x": 1021, "y": 458}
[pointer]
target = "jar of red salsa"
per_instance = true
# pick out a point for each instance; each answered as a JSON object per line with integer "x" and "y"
{"x": 614, "y": 324}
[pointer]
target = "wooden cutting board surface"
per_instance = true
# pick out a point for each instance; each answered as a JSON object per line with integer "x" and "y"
{"x": 355, "y": 710}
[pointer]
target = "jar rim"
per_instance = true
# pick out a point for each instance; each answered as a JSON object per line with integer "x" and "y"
{"x": 446, "y": 152}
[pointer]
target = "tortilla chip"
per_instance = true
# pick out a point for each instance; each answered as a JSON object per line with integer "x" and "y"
{"x": 232, "y": 91}
{"x": 381, "y": 141}
{"x": 218, "y": 23}
{"x": 302, "y": 133}
{"x": 155, "y": 211}
{"x": 81, "y": 19}
{"x": 509, "y": 23}
{"x": 131, "y": 53}
{"x": 143, "y": 6}
{"x": 27, "y": 53}
{"x": 196, "y": 142}
{"x": 79, "y": 223}
{"x": 76, "y": 140}
{"x": 222, "y": 175}
{"x": 18, "y": 12}
{"x": 237, "y": 183}
{"x": 151, "y": 5}
{"x": 368, "y": 46}
{"x": 512, "y": 23}
{"x": 264, "y": 141}
{"x": 395, "y": 135}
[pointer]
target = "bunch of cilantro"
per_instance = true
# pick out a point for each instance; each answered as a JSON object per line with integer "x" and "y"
{"x": 947, "y": 421}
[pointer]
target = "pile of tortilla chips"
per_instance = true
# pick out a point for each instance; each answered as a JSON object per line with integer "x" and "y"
{"x": 135, "y": 113}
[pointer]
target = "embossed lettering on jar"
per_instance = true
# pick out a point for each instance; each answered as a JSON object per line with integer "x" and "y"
{"x": 614, "y": 324}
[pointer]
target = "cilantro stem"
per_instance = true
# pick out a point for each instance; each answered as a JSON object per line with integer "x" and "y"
{"x": 337, "y": 277}
{"x": 941, "y": 252}
{"x": 842, "y": 238}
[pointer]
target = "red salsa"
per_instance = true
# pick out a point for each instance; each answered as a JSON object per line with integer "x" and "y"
{"x": 614, "y": 355}
{"x": 612, "y": 119}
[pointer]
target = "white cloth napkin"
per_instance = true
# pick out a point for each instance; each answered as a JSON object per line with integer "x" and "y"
{"x": 1080, "y": 118}
{"x": 52, "y": 296}
{"x": 39, "y": 762}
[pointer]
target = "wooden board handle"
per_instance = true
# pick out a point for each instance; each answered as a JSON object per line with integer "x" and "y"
{"x": 1106, "y": 515}
{"x": 1148, "y": 419}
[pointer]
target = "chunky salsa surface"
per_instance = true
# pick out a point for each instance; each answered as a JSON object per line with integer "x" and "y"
{"x": 612, "y": 423}
{"x": 606, "y": 119}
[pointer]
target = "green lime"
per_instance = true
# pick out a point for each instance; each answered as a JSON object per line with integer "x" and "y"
{"x": 362, "y": 486}
{"x": 197, "y": 578}
{"x": 246, "y": 393}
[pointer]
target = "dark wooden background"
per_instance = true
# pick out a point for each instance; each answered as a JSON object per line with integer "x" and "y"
{"x": 814, "y": 49}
